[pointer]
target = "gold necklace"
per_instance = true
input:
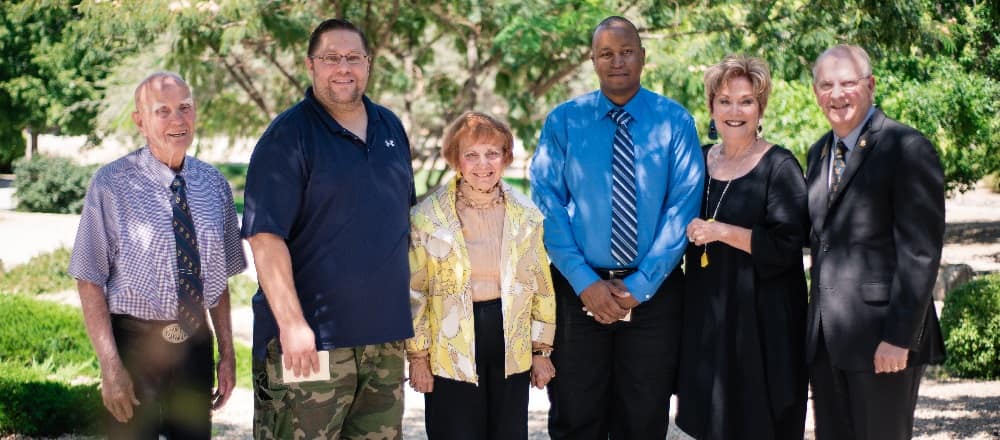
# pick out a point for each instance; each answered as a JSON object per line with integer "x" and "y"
{"x": 487, "y": 204}
{"x": 708, "y": 192}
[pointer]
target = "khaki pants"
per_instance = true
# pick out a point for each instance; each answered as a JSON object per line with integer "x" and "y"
{"x": 363, "y": 398}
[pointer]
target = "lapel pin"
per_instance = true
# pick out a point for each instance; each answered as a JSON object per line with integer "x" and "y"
{"x": 863, "y": 143}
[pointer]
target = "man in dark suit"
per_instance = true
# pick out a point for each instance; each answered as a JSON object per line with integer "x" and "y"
{"x": 876, "y": 202}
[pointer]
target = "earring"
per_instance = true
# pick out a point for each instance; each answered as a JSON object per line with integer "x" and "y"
{"x": 760, "y": 129}
{"x": 713, "y": 134}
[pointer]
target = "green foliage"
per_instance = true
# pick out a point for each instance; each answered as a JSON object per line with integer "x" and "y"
{"x": 519, "y": 58}
{"x": 35, "y": 330}
{"x": 970, "y": 322}
{"x": 235, "y": 174}
{"x": 958, "y": 111}
{"x": 244, "y": 365}
{"x": 241, "y": 290}
{"x": 43, "y": 273}
{"x": 51, "y": 184}
{"x": 35, "y": 405}
{"x": 44, "y": 352}
{"x": 51, "y": 79}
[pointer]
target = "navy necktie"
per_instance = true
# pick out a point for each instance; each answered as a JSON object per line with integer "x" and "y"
{"x": 624, "y": 223}
{"x": 839, "y": 163}
{"x": 190, "y": 291}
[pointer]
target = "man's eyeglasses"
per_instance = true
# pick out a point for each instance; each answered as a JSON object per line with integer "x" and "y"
{"x": 333, "y": 59}
{"x": 847, "y": 86}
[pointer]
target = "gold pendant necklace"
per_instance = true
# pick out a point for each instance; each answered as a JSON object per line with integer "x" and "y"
{"x": 708, "y": 192}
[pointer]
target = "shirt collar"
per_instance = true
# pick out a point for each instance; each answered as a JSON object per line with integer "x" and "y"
{"x": 310, "y": 98}
{"x": 158, "y": 171}
{"x": 852, "y": 138}
{"x": 633, "y": 106}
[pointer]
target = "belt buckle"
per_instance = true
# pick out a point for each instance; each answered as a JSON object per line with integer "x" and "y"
{"x": 173, "y": 333}
{"x": 616, "y": 274}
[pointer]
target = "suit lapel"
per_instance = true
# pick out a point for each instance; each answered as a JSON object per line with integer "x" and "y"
{"x": 817, "y": 181}
{"x": 866, "y": 142}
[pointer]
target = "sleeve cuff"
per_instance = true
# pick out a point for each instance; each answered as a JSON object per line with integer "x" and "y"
{"x": 544, "y": 332}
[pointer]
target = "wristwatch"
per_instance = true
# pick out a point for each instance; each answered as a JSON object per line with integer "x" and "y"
{"x": 544, "y": 352}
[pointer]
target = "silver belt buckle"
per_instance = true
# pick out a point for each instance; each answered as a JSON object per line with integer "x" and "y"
{"x": 173, "y": 333}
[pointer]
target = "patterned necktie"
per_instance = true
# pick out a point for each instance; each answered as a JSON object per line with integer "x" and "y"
{"x": 838, "y": 169}
{"x": 624, "y": 235}
{"x": 190, "y": 292}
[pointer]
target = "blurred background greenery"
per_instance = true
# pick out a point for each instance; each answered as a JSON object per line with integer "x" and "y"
{"x": 69, "y": 66}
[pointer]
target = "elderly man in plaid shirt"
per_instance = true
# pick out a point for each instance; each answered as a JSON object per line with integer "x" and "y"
{"x": 158, "y": 238}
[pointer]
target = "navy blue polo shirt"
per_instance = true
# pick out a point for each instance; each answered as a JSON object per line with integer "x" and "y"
{"x": 342, "y": 206}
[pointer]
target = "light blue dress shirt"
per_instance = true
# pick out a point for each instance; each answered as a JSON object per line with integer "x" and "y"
{"x": 571, "y": 184}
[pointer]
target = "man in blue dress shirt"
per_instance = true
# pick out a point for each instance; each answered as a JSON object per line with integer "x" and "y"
{"x": 615, "y": 234}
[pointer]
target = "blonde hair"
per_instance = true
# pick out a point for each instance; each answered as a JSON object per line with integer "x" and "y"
{"x": 476, "y": 127}
{"x": 739, "y": 66}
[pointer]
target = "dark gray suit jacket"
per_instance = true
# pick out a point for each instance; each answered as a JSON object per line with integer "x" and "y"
{"x": 876, "y": 247}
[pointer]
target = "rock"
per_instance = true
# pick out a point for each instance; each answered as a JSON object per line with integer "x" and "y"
{"x": 950, "y": 277}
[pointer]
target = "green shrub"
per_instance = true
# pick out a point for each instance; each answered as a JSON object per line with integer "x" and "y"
{"x": 50, "y": 184}
{"x": 34, "y": 405}
{"x": 43, "y": 273}
{"x": 241, "y": 290}
{"x": 44, "y": 352}
{"x": 32, "y": 330}
{"x": 235, "y": 174}
{"x": 970, "y": 322}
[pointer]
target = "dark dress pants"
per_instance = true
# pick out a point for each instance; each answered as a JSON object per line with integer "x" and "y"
{"x": 496, "y": 408}
{"x": 614, "y": 380}
{"x": 173, "y": 382}
{"x": 862, "y": 405}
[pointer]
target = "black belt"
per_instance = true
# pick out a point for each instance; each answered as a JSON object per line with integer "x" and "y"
{"x": 613, "y": 274}
{"x": 170, "y": 331}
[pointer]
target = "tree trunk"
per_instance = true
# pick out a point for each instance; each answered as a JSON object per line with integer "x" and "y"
{"x": 32, "y": 148}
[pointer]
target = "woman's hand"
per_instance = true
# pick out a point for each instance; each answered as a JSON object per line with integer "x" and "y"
{"x": 542, "y": 371}
{"x": 701, "y": 231}
{"x": 421, "y": 379}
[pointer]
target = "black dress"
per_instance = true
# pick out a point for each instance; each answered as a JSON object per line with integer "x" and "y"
{"x": 742, "y": 369}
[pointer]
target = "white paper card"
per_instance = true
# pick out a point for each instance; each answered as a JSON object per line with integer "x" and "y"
{"x": 288, "y": 376}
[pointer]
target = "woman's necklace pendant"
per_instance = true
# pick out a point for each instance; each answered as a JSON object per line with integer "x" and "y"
{"x": 704, "y": 253}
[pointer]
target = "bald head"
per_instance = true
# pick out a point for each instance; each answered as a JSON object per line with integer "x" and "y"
{"x": 165, "y": 114}
{"x": 158, "y": 81}
{"x": 615, "y": 21}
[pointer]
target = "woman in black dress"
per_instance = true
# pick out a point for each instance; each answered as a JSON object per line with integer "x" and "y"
{"x": 743, "y": 372}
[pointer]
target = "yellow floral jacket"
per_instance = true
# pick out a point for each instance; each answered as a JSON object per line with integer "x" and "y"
{"x": 440, "y": 292}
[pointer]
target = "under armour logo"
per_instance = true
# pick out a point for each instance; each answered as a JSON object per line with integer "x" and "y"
{"x": 389, "y": 143}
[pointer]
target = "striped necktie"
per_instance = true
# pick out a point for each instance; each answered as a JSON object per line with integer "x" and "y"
{"x": 624, "y": 235}
{"x": 190, "y": 291}
{"x": 839, "y": 163}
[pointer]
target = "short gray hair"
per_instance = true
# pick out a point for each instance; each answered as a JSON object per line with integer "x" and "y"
{"x": 856, "y": 53}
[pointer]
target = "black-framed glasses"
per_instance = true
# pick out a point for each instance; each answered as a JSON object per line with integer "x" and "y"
{"x": 334, "y": 59}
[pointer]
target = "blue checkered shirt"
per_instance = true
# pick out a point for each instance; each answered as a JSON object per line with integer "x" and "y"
{"x": 125, "y": 242}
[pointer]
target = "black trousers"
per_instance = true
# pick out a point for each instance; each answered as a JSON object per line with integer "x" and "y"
{"x": 496, "y": 408}
{"x": 862, "y": 405}
{"x": 615, "y": 380}
{"x": 173, "y": 382}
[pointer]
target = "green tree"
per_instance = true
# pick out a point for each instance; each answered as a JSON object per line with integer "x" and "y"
{"x": 519, "y": 58}
{"x": 49, "y": 77}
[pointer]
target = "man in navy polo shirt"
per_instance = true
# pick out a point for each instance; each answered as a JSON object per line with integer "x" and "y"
{"x": 327, "y": 198}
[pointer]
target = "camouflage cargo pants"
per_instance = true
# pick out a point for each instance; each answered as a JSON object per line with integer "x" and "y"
{"x": 362, "y": 400}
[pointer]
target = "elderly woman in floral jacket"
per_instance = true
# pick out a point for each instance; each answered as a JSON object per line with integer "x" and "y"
{"x": 481, "y": 293}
